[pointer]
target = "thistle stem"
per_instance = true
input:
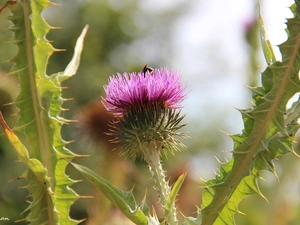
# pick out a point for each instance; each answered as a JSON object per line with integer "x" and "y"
{"x": 152, "y": 157}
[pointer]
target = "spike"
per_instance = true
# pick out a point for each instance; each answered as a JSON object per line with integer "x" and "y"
{"x": 84, "y": 197}
{"x": 224, "y": 132}
{"x": 55, "y": 28}
{"x": 218, "y": 160}
{"x": 9, "y": 2}
{"x": 59, "y": 50}
{"x": 240, "y": 212}
{"x": 21, "y": 220}
{"x": 215, "y": 172}
{"x": 16, "y": 71}
{"x": 54, "y": 4}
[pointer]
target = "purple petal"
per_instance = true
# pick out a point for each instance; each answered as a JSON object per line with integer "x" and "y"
{"x": 163, "y": 87}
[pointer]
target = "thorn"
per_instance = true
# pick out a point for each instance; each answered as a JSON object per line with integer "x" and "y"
{"x": 218, "y": 160}
{"x": 261, "y": 195}
{"x": 84, "y": 197}
{"x": 275, "y": 174}
{"x": 80, "y": 156}
{"x": 8, "y": 104}
{"x": 64, "y": 109}
{"x": 24, "y": 125}
{"x": 71, "y": 121}
{"x": 68, "y": 99}
{"x": 80, "y": 221}
{"x": 296, "y": 153}
{"x": 263, "y": 179}
{"x": 224, "y": 132}
{"x": 14, "y": 41}
{"x": 27, "y": 208}
{"x": 239, "y": 153}
{"x": 215, "y": 172}
{"x": 21, "y": 220}
{"x": 9, "y": 2}
{"x": 14, "y": 179}
{"x": 69, "y": 142}
{"x": 201, "y": 178}
{"x": 55, "y": 28}
{"x": 133, "y": 186}
{"x": 154, "y": 213}
{"x": 240, "y": 212}
{"x": 14, "y": 114}
{"x": 204, "y": 186}
{"x": 227, "y": 151}
{"x": 17, "y": 71}
{"x": 54, "y": 4}
{"x": 60, "y": 50}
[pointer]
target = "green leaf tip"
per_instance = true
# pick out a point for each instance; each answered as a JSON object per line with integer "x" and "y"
{"x": 266, "y": 44}
{"x": 175, "y": 189}
{"x": 72, "y": 67}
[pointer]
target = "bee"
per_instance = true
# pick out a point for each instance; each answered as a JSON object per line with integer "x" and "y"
{"x": 147, "y": 69}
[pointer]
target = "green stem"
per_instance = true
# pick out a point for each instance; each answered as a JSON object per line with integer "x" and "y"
{"x": 152, "y": 157}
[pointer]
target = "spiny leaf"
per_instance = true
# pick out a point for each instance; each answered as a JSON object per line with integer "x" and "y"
{"x": 122, "y": 200}
{"x": 39, "y": 183}
{"x": 40, "y": 103}
{"x": 267, "y": 133}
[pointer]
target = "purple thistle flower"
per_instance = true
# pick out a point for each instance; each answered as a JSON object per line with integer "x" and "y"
{"x": 145, "y": 104}
{"x": 147, "y": 120}
{"x": 134, "y": 90}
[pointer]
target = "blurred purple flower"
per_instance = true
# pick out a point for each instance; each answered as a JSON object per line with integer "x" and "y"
{"x": 144, "y": 90}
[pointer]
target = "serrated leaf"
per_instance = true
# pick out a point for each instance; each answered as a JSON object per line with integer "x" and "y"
{"x": 267, "y": 133}
{"x": 124, "y": 201}
{"x": 40, "y": 103}
{"x": 39, "y": 184}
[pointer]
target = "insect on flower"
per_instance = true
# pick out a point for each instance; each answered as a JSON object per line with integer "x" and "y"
{"x": 147, "y": 69}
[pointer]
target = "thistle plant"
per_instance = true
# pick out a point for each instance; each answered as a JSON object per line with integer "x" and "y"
{"x": 145, "y": 105}
{"x": 147, "y": 120}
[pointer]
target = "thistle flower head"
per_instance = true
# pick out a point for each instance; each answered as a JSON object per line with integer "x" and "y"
{"x": 131, "y": 90}
{"x": 145, "y": 104}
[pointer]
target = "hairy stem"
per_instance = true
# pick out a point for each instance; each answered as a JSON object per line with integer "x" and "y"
{"x": 152, "y": 157}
